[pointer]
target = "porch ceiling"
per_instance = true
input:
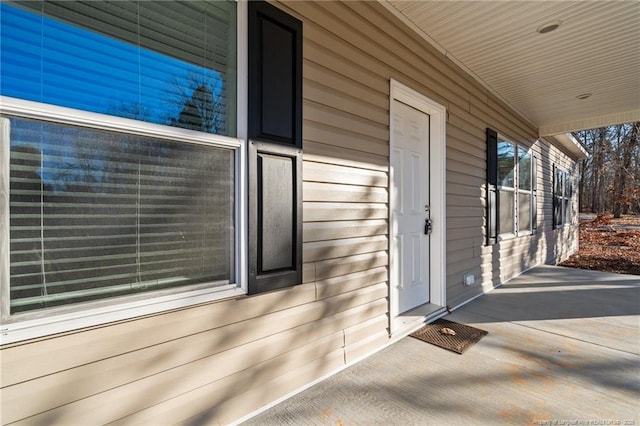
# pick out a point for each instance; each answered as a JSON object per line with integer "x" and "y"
{"x": 596, "y": 50}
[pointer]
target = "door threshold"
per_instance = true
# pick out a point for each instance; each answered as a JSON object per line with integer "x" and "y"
{"x": 411, "y": 320}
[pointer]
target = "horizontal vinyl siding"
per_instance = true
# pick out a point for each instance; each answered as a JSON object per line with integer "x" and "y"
{"x": 219, "y": 361}
{"x": 111, "y": 386}
{"x": 346, "y": 177}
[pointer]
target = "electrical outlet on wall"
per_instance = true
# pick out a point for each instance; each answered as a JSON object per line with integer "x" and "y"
{"x": 468, "y": 279}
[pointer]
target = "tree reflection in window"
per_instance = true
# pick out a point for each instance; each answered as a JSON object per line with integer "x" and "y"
{"x": 506, "y": 163}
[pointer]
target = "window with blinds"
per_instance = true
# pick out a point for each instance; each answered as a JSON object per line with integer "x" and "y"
{"x": 96, "y": 213}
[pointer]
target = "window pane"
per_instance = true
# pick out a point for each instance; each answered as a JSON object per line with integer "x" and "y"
{"x": 557, "y": 211}
{"x": 164, "y": 62}
{"x": 524, "y": 212}
{"x": 567, "y": 211}
{"x": 524, "y": 169}
{"x": 567, "y": 197}
{"x": 506, "y": 212}
{"x": 97, "y": 214}
{"x": 559, "y": 183}
{"x": 506, "y": 163}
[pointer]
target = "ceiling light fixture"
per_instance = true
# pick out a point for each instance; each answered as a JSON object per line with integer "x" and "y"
{"x": 548, "y": 27}
{"x": 583, "y": 96}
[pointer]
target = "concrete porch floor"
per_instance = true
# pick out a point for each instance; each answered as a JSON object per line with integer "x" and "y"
{"x": 563, "y": 348}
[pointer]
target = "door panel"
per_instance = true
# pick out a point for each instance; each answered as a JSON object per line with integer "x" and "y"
{"x": 410, "y": 205}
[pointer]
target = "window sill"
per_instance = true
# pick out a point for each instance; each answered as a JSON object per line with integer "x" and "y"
{"x": 504, "y": 237}
{"x": 21, "y": 330}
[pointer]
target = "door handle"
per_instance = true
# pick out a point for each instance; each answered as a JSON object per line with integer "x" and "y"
{"x": 427, "y": 226}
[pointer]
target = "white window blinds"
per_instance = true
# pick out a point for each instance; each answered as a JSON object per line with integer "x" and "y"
{"x": 96, "y": 214}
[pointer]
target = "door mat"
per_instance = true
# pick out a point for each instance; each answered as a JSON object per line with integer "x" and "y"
{"x": 450, "y": 335}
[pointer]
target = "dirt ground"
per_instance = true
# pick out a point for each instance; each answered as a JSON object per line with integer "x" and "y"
{"x": 607, "y": 244}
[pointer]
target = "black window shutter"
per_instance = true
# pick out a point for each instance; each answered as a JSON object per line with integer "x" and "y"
{"x": 275, "y": 148}
{"x": 275, "y": 75}
{"x": 568, "y": 196}
{"x": 534, "y": 194}
{"x": 556, "y": 205}
{"x": 492, "y": 186}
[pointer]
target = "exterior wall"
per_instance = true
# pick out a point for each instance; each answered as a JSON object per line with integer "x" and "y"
{"x": 563, "y": 242}
{"x": 219, "y": 361}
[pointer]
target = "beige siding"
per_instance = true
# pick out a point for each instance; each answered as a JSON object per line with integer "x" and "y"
{"x": 219, "y": 361}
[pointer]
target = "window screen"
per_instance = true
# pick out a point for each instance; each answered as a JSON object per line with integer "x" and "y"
{"x": 524, "y": 212}
{"x": 506, "y": 211}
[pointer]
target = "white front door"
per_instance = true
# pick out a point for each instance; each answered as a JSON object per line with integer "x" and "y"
{"x": 410, "y": 207}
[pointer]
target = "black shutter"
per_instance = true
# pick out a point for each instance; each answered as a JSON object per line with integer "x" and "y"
{"x": 534, "y": 195}
{"x": 275, "y": 148}
{"x": 554, "y": 198}
{"x": 275, "y": 75}
{"x": 492, "y": 186}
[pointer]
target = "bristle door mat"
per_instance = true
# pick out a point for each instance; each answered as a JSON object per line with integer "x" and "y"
{"x": 439, "y": 333}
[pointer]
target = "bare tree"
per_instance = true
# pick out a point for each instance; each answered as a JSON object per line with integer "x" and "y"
{"x": 201, "y": 103}
{"x": 610, "y": 177}
{"x": 624, "y": 173}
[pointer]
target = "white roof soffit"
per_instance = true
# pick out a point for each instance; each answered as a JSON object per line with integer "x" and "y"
{"x": 593, "y": 54}
{"x": 572, "y": 145}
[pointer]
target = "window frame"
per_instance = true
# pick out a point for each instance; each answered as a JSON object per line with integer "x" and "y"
{"x": 22, "y": 326}
{"x": 516, "y": 191}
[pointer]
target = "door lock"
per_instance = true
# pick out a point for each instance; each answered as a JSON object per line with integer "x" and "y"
{"x": 427, "y": 226}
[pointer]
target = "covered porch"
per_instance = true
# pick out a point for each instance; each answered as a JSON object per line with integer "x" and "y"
{"x": 563, "y": 345}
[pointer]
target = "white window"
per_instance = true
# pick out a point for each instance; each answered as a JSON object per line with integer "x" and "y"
{"x": 123, "y": 158}
{"x": 562, "y": 191}
{"x": 515, "y": 181}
